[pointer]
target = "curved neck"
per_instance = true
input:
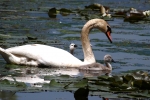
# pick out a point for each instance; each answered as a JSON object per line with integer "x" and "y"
{"x": 87, "y": 50}
{"x": 108, "y": 65}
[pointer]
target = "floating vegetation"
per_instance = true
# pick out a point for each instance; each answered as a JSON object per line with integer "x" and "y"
{"x": 123, "y": 86}
{"x": 99, "y": 11}
{"x": 7, "y": 41}
{"x": 72, "y": 38}
{"x": 132, "y": 15}
{"x": 95, "y": 11}
{"x": 137, "y": 81}
{"x": 52, "y": 13}
{"x": 45, "y": 22}
{"x": 64, "y": 11}
{"x": 89, "y": 12}
{"x": 12, "y": 86}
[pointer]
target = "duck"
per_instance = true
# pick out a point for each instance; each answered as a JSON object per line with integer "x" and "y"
{"x": 72, "y": 47}
{"x": 45, "y": 55}
{"x": 97, "y": 66}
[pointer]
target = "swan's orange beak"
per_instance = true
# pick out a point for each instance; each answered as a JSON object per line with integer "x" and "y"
{"x": 108, "y": 34}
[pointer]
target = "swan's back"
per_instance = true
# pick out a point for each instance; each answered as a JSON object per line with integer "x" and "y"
{"x": 47, "y": 55}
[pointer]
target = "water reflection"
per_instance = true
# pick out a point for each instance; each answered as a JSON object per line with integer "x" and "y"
{"x": 7, "y": 95}
{"x": 88, "y": 73}
{"x": 74, "y": 72}
{"x": 36, "y": 75}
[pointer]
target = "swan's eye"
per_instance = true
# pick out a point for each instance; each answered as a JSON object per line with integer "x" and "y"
{"x": 109, "y": 29}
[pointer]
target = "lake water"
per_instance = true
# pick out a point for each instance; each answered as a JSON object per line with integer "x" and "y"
{"x": 29, "y": 18}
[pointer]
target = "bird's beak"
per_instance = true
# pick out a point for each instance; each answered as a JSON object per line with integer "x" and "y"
{"x": 108, "y": 34}
{"x": 113, "y": 61}
{"x": 75, "y": 46}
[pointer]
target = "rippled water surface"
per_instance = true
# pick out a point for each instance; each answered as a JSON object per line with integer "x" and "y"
{"x": 24, "y": 19}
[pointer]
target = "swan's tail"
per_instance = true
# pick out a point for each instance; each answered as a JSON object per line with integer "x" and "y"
{"x": 13, "y": 59}
{"x": 9, "y": 57}
{"x": 6, "y": 55}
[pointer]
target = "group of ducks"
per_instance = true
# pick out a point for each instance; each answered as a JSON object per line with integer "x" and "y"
{"x": 44, "y": 55}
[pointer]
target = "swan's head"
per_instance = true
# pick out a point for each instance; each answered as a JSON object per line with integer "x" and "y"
{"x": 103, "y": 26}
{"x": 108, "y": 33}
{"x": 72, "y": 47}
{"x": 108, "y": 59}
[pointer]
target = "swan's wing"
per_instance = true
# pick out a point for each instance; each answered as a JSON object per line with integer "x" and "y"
{"x": 33, "y": 51}
{"x": 46, "y": 55}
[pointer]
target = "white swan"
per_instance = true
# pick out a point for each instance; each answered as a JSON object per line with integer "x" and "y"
{"x": 72, "y": 47}
{"x": 38, "y": 54}
{"x": 97, "y": 66}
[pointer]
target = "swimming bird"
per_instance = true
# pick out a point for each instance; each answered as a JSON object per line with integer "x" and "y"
{"x": 72, "y": 48}
{"x": 44, "y": 55}
{"x": 97, "y": 66}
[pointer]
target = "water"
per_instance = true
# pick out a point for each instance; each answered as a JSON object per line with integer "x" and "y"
{"x": 43, "y": 95}
{"x": 131, "y": 41}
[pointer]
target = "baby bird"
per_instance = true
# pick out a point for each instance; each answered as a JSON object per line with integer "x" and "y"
{"x": 72, "y": 48}
{"x": 97, "y": 66}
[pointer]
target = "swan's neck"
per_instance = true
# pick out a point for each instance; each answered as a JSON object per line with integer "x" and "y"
{"x": 87, "y": 50}
{"x": 108, "y": 65}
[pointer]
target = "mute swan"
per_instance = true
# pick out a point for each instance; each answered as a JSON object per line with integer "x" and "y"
{"x": 72, "y": 48}
{"x": 44, "y": 55}
{"x": 97, "y": 66}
